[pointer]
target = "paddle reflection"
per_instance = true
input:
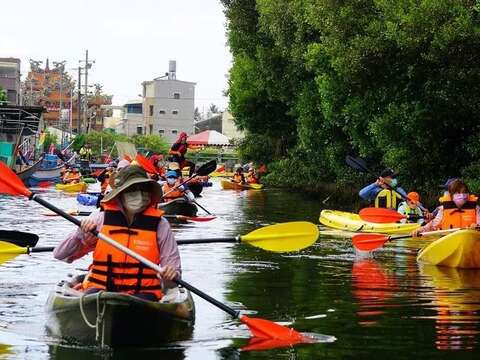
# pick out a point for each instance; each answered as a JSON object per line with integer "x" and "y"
{"x": 456, "y": 300}
{"x": 371, "y": 286}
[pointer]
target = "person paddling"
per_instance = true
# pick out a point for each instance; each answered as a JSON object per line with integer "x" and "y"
{"x": 178, "y": 151}
{"x": 458, "y": 209}
{"x": 238, "y": 177}
{"x": 384, "y": 192}
{"x": 131, "y": 218}
{"x": 410, "y": 208}
{"x": 172, "y": 190}
{"x": 72, "y": 177}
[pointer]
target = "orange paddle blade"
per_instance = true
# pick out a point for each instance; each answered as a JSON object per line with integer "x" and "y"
{"x": 265, "y": 329}
{"x": 10, "y": 183}
{"x": 259, "y": 344}
{"x": 380, "y": 215}
{"x": 146, "y": 164}
{"x": 369, "y": 242}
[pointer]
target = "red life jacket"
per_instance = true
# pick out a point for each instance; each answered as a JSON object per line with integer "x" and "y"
{"x": 112, "y": 269}
{"x": 453, "y": 217}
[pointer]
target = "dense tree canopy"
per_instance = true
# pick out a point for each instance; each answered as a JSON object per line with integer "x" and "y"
{"x": 396, "y": 82}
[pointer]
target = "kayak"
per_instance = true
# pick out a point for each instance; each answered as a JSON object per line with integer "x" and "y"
{"x": 120, "y": 320}
{"x": 460, "y": 249}
{"x": 87, "y": 199}
{"x": 78, "y": 187}
{"x": 222, "y": 174}
{"x": 352, "y": 222}
{"x": 179, "y": 207}
{"x": 89, "y": 180}
{"x": 230, "y": 185}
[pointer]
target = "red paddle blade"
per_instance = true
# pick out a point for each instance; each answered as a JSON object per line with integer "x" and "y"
{"x": 146, "y": 164}
{"x": 265, "y": 329}
{"x": 10, "y": 183}
{"x": 259, "y": 344}
{"x": 380, "y": 215}
{"x": 369, "y": 242}
{"x": 202, "y": 218}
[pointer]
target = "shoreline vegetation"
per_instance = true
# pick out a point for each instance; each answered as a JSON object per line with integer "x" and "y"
{"x": 396, "y": 83}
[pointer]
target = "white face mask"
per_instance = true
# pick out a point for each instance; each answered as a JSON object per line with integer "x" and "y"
{"x": 135, "y": 201}
{"x": 171, "y": 181}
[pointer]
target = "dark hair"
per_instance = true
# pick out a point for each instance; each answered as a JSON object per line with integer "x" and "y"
{"x": 458, "y": 186}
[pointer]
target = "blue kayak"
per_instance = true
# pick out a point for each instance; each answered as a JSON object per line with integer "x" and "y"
{"x": 87, "y": 199}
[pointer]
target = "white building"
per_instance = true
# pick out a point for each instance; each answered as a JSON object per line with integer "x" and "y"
{"x": 168, "y": 105}
{"x": 132, "y": 122}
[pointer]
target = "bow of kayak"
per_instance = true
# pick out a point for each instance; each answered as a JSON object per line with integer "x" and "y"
{"x": 460, "y": 249}
{"x": 230, "y": 185}
{"x": 122, "y": 320}
{"x": 352, "y": 222}
{"x": 78, "y": 187}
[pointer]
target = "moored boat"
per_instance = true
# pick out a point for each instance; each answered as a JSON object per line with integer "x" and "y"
{"x": 78, "y": 187}
{"x": 460, "y": 249}
{"x": 29, "y": 171}
{"x": 118, "y": 320}
{"x": 230, "y": 185}
{"x": 179, "y": 206}
{"x": 346, "y": 221}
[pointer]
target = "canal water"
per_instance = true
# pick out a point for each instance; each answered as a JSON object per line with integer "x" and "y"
{"x": 360, "y": 307}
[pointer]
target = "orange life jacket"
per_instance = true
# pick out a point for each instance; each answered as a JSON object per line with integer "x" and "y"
{"x": 112, "y": 269}
{"x": 237, "y": 178}
{"x": 175, "y": 194}
{"x": 251, "y": 178}
{"x": 453, "y": 217}
{"x": 71, "y": 176}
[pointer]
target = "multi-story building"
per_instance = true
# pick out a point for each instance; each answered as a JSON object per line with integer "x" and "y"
{"x": 168, "y": 105}
{"x": 133, "y": 121}
{"x": 10, "y": 79}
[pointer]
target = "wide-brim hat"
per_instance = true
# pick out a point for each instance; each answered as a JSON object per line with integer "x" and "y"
{"x": 388, "y": 173}
{"x": 173, "y": 166}
{"x": 129, "y": 176}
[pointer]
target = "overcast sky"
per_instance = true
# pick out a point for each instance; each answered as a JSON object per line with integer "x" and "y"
{"x": 130, "y": 40}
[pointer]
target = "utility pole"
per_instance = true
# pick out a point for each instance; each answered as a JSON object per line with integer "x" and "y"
{"x": 79, "y": 100}
{"x": 88, "y": 65}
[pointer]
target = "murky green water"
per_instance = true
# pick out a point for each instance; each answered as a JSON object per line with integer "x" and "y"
{"x": 381, "y": 307}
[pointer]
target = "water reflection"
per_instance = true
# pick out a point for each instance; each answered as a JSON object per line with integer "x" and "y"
{"x": 372, "y": 287}
{"x": 455, "y": 298}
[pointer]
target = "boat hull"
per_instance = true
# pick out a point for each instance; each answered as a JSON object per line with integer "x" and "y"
{"x": 127, "y": 321}
{"x": 230, "y": 185}
{"x": 179, "y": 207}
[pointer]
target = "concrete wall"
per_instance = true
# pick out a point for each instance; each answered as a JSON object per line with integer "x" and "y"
{"x": 10, "y": 79}
{"x": 229, "y": 128}
{"x": 172, "y": 115}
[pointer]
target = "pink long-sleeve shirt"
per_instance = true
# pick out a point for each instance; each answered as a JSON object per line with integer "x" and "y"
{"x": 435, "y": 223}
{"x": 77, "y": 244}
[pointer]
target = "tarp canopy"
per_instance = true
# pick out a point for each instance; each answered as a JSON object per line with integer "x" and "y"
{"x": 208, "y": 137}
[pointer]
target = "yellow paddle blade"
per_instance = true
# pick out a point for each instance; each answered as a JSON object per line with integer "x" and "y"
{"x": 284, "y": 237}
{"x": 256, "y": 186}
{"x": 8, "y": 251}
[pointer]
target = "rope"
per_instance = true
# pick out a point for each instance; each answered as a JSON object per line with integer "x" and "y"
{"x": 99, "y": 318}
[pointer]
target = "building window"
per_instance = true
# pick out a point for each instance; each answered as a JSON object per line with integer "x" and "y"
{"x": 175, "y": 112}
{"x": 150, "y": 128}
{"x": 161, "y": 131}
{"x": 174, "y": 132}
{"x": 151, "y": 110}
{"x": 139, "y": 130}
{"x": 134, "y": 108}
{"x": 161, "y": 112}
{"x": 176, "y": 95}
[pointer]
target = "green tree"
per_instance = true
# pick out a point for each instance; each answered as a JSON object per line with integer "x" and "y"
{"x": 3, "y": 95}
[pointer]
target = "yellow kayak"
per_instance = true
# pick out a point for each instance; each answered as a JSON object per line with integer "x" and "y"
{"x": 352, "y": 222}
{"x": 79, "y": 187}
{"x": 460, "y": 249}
{"x": 222, "y": 174}
{"x": 230, "y": 185}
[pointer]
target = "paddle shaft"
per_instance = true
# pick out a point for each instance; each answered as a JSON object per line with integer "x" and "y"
{"x": 387, "y": 185}
{"x": 136, "y": 256}
{"x": 428, "y": 233}
{"x": 201, "y": 207}
{"x": 182, "y": 183}
{"x": 204, "y": 168}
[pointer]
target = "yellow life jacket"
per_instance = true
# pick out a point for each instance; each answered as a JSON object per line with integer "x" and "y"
{"x": 388, "y": 199}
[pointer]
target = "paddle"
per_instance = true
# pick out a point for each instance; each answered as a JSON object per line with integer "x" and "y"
{"x": 146, "y": 164}
{"x": 11, "y": 184}
{"x": 203, "y": 170}
{"x": 360, "y": 165}
{"x": 177, "y": 217}
{"x": 201, "y": 207}
{"x": 19, "y": 238}
{"x": 369, "y": 242}
{"x": 284, "y": 237}
{"x": 380, "y": 215}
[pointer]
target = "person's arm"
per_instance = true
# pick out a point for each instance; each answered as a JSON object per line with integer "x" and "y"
{"x": 434, "y": 224}
{"x": 167, "y": 245}
{"x": 369, "y": 192}
{"x": 174, "y": 150}
{"x": 78, "y": 243}
{"x": 401, "y": 192}
{"x": 401, "y": 210}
